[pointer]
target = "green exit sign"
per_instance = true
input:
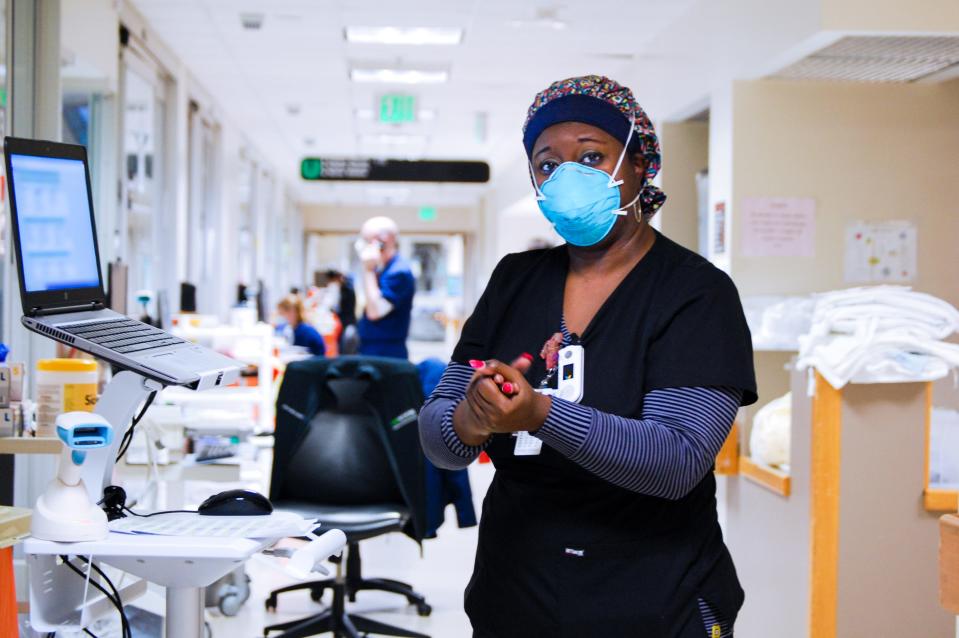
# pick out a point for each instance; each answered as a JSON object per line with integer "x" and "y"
{"x": 396, "y": 108}
{"x": 427, "y": 213}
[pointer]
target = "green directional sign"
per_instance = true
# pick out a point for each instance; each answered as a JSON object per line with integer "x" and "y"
{"x": 328, "y": 169}
{"x": 397, "y": 108}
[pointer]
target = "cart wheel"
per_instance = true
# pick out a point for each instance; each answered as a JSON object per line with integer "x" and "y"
{"x": 424, "y": 610}
{"x": 230, "y": 604}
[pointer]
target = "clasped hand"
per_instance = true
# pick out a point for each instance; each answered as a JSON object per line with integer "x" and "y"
{"x": 499, "y": 400}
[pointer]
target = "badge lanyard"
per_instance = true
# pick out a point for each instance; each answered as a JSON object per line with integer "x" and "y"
{"x": 569, "y": 386}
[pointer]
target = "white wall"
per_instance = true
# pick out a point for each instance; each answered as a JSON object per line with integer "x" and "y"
{"x": 277, "y": 212}
{"x": 89, "y": 45}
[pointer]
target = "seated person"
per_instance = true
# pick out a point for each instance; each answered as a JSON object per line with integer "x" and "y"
{"x": 305, "y": 335}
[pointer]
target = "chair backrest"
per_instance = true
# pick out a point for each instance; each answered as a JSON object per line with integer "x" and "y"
{"x": 346, "y": 433}
{"x": 342, "y": 459}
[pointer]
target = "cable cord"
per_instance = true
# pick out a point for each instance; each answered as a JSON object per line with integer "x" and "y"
{"x": 128, "y": 435}
{"x": 129, "y": 511}
{"x": 124, "y": 621}
{"x": 113, "y": 596}
{"x": 114, "y": 503}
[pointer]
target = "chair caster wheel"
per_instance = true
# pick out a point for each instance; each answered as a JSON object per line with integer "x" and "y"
{"x": 270, "y": 604}
{"x": 316, "y": 595}
{"x": 424, "y": 610}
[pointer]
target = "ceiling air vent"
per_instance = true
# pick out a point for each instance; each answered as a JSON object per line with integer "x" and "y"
{"x": 877, "y": 59}
{"x": 251, "y": 21}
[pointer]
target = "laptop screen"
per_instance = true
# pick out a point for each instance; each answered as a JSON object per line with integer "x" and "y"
{"x": 57, "y": 245}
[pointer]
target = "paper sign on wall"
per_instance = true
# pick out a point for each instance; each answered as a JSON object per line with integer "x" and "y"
{"x": 719, "y": 228}
{"x": 881, "y": 252}
{"x": 778, "y": 227}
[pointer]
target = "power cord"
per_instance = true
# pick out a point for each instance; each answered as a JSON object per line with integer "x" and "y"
{"x": 114, "y": 503}
{"x": 113, "y": 596}
{"x": 128, "y": 435}
{"x": 129, "y": 511}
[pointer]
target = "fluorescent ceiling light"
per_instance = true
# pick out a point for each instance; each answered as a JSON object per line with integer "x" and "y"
{"x": 392, "y": 139}
{"x": 399, "y": 76}
{"x": 422, "y": 115}
{"x": 556, "y": 25}
{"x": 404, "y": 35}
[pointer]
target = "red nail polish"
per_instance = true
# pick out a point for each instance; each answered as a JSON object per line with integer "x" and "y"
{"x": 508, "y": 388}
{"x": 476, "y": 363}
{"x": 527, "y": 356}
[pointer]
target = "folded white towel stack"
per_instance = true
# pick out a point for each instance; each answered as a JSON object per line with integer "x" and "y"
{"x": 880, "y": 334}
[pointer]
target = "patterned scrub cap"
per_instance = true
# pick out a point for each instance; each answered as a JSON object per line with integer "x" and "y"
{"x": 613, "y": 94}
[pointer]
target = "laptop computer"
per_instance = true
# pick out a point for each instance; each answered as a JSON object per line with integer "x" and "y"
{"x": 61, "y": 284}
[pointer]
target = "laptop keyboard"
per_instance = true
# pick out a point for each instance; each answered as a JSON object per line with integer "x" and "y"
{"x": 125, "y": 336}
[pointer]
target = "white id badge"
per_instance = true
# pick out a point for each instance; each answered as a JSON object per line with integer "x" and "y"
{"x": 526, "y": 444}
{"x": 570, "y": 365}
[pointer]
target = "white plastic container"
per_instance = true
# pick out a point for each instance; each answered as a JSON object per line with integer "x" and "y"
{"x": 64, "y": 385}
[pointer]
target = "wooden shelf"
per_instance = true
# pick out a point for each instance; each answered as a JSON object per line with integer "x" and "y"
{"x": 14, "y": 524}
{"x": 30, "y": 445}
{"x": 940, "y": 500}
{"x": 727, "y": 461}
{"x": 770, "y": 478}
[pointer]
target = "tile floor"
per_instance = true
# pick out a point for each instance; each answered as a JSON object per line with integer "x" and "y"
{"x": 440, "y": 575}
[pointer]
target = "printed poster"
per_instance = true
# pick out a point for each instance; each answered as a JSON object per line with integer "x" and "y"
{"x": 881, "y": 252}
{"x": 719, "y": 228}
{"x": 778, "y": 227}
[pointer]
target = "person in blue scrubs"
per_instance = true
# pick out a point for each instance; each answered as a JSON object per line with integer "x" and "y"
{"x": 304, "y": 335}
{"x": 389, "y": 285}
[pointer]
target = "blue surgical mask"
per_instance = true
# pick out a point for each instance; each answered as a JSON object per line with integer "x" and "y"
{"x": 582, "y": 202}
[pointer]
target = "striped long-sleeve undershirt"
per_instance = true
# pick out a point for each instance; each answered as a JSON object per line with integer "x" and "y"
{"x": 664, "y": 454}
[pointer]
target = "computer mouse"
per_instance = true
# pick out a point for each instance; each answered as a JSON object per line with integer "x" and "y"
{"x": 236, "y": 503}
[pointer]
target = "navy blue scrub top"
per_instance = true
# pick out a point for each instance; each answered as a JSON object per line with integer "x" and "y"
{"x": 308, "y": 337}
{"x": 386, "y": 337}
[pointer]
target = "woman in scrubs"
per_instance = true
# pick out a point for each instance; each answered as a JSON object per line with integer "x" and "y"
{"x": 304, "y": 335}
{"x": 601, "y": 518}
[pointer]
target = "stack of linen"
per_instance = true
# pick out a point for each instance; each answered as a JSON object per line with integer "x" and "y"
{"x": 880, "y": 334}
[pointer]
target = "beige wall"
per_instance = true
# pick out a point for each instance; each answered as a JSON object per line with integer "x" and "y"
{"x": 862, "y": 151}
{"x": 936, "y": 16}
{"x": 768, "y": 537}
{"x": 348, "y": 219}
{"x": 685, "y": 153}
{"x": 887, "y": 581}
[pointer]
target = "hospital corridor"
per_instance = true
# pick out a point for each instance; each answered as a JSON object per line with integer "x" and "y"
{"x": 479, "y": 319}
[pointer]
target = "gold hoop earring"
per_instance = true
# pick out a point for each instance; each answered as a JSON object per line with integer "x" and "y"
{"x": 637, "y": 211}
